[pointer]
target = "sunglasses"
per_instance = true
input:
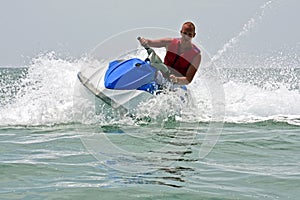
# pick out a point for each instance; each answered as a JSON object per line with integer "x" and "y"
{"x": 186, "y": 33}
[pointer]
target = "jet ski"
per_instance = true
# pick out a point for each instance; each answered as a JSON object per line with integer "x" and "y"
{"x": 125, "y": 83}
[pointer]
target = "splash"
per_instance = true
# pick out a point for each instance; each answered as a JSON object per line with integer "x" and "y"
{"x": 45, "y": 93}
{"x": 257, "y": 88}
{"x": 251, "y": 24}
{"x": 48, "y": 91}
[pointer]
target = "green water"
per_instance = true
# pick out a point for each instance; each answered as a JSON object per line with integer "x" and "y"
{"x": 249, "y": 161}
{"x": 48, "y": 152}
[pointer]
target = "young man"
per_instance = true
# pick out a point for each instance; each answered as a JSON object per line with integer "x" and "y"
{"x": 183, "y": 57}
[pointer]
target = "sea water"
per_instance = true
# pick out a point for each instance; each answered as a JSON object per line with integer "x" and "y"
{"x": 52, "y": 149}
{"x": 239, "y": 139}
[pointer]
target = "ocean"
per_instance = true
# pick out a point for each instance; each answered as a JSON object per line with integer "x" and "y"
{"x": 239, "y": 140}
{"x": 236, "y": 138}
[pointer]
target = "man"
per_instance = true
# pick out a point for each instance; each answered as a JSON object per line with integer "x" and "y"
{"x": 183, "y": 57}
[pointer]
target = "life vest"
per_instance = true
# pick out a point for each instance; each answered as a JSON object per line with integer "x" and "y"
{"x": 180, "y": 63}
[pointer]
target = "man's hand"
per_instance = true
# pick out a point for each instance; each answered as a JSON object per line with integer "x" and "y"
{"x": 144, "y": 42}
{"x": 173, "y": 78}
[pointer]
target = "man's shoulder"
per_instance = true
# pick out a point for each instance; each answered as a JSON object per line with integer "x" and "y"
{"x": 196, "y": 49}
{"x": 169, "y": 40}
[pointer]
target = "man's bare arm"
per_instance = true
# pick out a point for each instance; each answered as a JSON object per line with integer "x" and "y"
{"x": 163, "y": 42}
{"x": 190, "y": 72}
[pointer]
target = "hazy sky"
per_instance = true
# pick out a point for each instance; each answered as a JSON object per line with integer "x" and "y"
{"x": 29, "y": 27}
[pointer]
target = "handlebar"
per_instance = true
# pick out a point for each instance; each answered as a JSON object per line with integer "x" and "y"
{"x": 146, "y": 47}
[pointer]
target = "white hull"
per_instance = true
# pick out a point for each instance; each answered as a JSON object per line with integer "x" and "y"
{"x": 93, "y": 79}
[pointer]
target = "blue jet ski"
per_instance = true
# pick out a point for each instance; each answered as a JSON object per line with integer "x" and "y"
{"x": 125, "y": 83}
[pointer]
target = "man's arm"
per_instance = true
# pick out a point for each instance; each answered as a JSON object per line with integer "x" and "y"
{"x": 190, "y": 72}
{"x": 163, "y": 42}
{"x": 193, "y": 68}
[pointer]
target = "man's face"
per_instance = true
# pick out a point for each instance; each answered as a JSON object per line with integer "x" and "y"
{"x": 187, "y": 32}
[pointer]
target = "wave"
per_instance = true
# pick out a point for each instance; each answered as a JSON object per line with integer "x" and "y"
{"x": 255, "y": 87}
{"x": 44, "y": 94}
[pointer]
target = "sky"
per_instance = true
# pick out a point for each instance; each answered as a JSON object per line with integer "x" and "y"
{"x": 73, "y": 28}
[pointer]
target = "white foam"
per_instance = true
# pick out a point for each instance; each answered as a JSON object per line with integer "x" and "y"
{"x": 50, "y": 89}
{"x": 46, "y": 95}
{"x": 248, "y": 103}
